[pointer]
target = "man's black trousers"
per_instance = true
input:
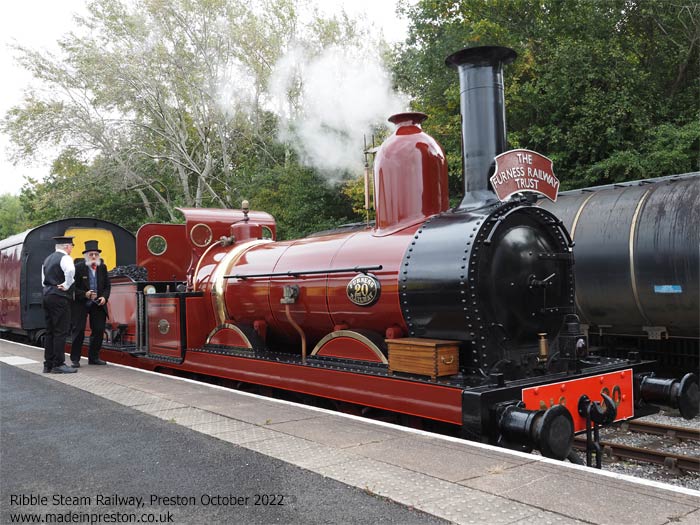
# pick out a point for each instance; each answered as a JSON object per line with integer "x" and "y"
{"x": 98, "y": 318}
{"x": 57, "y": 312}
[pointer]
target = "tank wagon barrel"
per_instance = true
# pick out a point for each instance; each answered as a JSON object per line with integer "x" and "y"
{"x": 637, "y": 258}
{"x": 638, "y": 266}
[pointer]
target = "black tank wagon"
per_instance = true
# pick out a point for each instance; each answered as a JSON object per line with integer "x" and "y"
{"x": 637, "y": 251}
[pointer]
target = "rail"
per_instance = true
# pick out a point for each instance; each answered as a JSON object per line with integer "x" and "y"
{"x": 682, "y": 433}
{"x": 657, "y": 457}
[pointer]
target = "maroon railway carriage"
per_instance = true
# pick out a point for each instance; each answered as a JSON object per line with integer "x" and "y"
{"x": 22, "y": 255}
{"x": 464, "y": 316}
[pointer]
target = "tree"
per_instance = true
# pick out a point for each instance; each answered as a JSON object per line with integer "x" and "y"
{"x": 599, "y": 87}
{"x": 165, "y": 100}
{"x": 12, "y": 218}
{"x": 301, "y": 202}
{"x": 65, "y": 193}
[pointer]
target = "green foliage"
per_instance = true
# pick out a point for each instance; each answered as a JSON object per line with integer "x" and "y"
{"x": 74, "y": 190}
{"x": 606, "y": 89}
{"x": 667, "y": 149}
{"x": 301, "y": 201}
{"x": 160, "y": 105}
{"x": 354, "y": 190}
{"x": 12, "y": 217}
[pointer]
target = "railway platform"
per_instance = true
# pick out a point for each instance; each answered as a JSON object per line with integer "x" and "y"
{"x": 112, "y": 444}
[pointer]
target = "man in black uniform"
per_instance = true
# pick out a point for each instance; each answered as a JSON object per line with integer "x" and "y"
{"x": 57, "y": 277}
{"x": 92, "y": 290}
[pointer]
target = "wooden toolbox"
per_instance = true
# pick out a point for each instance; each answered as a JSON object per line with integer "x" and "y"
{"x": 428, "y": 357}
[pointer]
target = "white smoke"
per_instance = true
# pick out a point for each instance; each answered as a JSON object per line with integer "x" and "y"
{"x": 337, "y": 98}
{"x": 234, "y": 89}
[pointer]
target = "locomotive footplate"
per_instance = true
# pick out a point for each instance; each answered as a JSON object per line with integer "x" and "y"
{"x": 338, "y": 364}
{"x": 494, "y": 411}
{"x": 126, "y": 348}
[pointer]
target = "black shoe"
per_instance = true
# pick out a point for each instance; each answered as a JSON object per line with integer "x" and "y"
{"x": 63, "y": 369}
{"x": 97, "y": 362}
{"x": 47, "y": 369}
{"x": 75, "y": 364}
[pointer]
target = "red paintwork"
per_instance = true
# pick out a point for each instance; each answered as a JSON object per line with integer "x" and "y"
{"x": 432, "y": 401}
{"x": 367, "y": 249}
{"x": 323, "y": 302}
{"x": 244, "y": 231}
{"x": 253, "y": 294}
{"x": 171, "y": 265}
{"x": 224, "y": 223}
{"x": 200, "y": 321}
{"x": 617, "y": 385}
{"x": 163, "y": 315}
{"x": 229, "y": 337}
{"x": 348, "y": 348}
{"x": 410, "y": 175}
{"x": 220, "y": 220}
{"x": 121, "y": 306}
{"x": 10, "y": 274}
{"x": 311, "y": 309}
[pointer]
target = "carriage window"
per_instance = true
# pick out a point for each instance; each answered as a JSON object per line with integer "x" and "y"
{"x": 266, "y": 233}
{"x": 157, "y": 245}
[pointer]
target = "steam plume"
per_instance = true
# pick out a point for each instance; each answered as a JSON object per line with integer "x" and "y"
{"x": 340, "y": 96}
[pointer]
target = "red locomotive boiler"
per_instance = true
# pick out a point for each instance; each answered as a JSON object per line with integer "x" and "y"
{"x": 464, "y": 315}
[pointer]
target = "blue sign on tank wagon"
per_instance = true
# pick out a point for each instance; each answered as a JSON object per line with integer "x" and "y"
{"x": 668, "y": 288}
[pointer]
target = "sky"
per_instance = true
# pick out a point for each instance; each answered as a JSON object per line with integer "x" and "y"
{"x": 40, "y": 23}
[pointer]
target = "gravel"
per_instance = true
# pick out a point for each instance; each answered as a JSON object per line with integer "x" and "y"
{"x": 660, "y": 473}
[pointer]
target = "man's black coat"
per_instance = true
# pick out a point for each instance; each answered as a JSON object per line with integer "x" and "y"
{"x": 81, "y": 309}
{"x": 82, "y": 282}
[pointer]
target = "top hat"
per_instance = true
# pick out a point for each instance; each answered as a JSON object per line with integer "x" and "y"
{"x": 91, "y": 246}
{"x": 63, "y": 240}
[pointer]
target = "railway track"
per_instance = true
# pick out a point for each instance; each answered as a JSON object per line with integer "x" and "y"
{"x": 682, "y": 433}
{"x": 668, "y": 459}
{"x": 656, "y": 457}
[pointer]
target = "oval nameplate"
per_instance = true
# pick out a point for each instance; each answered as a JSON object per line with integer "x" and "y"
{"x": 364, "y": 289}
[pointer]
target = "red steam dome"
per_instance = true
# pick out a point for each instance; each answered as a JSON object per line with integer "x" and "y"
{"x": 410, "y": 175}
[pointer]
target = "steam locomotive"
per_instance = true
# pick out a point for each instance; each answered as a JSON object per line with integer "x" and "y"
{"x": 464, "y": 316}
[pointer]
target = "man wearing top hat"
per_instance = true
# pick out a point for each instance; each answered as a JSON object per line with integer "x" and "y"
{"x": 57, "y": 278}
{"x": 92, "y": 289}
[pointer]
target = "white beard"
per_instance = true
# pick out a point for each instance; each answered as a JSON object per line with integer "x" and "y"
{"x": 89, "y": 262}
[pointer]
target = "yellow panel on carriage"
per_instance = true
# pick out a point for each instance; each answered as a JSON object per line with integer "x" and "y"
{"x": 105, "y": 241}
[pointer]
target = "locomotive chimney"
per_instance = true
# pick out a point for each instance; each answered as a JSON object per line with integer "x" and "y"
{"x": 483, "y": 116}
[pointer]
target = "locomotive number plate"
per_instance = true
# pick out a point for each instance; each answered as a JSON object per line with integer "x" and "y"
{"x": 364, "y": 289}
{"x": 617, "y": 385}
